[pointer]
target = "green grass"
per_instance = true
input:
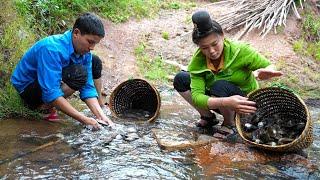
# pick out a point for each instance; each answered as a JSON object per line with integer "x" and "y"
{"x": 55, "y": 16}
{"x": 175, "y": 5}
{"x": 14, "y": 40}
{"x": 294, "y": 79}
{"x": 309, "y": 43}
{"x": 165, "y": 35}
{"x": 11, "y": 105}
{"x": 298, "y": 46}
{"x": 152, "y": 68}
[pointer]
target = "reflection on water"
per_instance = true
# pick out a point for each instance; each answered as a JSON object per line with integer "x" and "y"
{"x": 128, "y": 151}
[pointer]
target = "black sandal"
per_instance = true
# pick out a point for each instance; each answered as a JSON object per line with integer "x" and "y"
{"x": 210, "y": 121}
{"x": 229, "y": 133}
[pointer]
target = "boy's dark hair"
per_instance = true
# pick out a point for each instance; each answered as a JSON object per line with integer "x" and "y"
{"x": 89, "y": 23}
{"x": 204, "y": 26}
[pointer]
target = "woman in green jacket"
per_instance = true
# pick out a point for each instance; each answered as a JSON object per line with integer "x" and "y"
{"x": 220, "y": 74}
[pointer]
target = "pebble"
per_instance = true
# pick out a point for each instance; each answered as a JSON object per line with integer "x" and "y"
{"x": 106, "y": 151}
{"x": 132, "y": 136}
{"x": 131, "y": 130}
{"x": 118, "y": 137}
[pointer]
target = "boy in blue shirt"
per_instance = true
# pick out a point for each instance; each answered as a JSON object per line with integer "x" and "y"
{"x": 57, "y": 66}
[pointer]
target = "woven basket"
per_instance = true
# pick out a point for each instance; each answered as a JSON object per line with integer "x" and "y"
{"x": 135, "y": 94}
{"x": 275, "y": 100}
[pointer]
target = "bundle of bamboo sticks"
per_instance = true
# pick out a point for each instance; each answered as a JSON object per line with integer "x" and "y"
{"x": 256, "y": 14}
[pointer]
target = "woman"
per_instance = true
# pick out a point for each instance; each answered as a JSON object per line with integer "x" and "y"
{"x": 220, "y": 74}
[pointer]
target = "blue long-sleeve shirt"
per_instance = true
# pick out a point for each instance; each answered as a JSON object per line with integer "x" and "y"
{"x": 44, "y": 62}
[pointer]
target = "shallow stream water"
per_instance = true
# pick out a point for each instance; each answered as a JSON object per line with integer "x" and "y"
{"x": 43, "y": 150}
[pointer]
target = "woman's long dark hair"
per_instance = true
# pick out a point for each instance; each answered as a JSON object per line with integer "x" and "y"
{"x": 204, "y": 26}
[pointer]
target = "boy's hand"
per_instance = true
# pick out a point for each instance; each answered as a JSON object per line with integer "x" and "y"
{"x": 94, "y": 123}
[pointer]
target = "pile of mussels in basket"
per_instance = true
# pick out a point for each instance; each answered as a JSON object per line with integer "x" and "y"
{"x": 271, "y": 130}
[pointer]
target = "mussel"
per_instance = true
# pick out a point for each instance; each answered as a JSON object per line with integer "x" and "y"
{"x": 275, "y": 129}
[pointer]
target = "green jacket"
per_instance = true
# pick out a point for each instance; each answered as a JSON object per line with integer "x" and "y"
{"x": 239, "y": 61}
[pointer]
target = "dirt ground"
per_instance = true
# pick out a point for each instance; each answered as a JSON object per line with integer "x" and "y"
{"x": 117, "y": 48}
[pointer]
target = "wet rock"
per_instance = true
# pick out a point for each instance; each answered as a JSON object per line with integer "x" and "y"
{"x": 118, "y": 137}
{"x": 107, "y": 139}
{"x": 174, "y": 140}
{"x": 132, "y": 137}
{"x": 220, "y": 157}
{"x": 106, "y": 151}
{"x": 131, "y": 130}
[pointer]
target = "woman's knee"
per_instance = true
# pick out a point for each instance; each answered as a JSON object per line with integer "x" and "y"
{"x": 223, "y": 88}
{"x": 182, "y": 81}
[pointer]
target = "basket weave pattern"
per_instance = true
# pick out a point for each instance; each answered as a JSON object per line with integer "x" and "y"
{"x": 135, "y": 94}
{"x": 274, "y": 100}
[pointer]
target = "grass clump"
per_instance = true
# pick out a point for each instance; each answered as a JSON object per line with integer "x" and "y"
{"x": 302, "y": 80}
{"x": 55, "y": 16}
{"x": 121, "y": 10}
{"x": 153, "y": 68}
{"x": 48, "y": 17}
{"x": 174, "y": 4}
{"x": 309, "y": 43}
{"x": 165, "y": 35}
{"x": 15, "y": 38}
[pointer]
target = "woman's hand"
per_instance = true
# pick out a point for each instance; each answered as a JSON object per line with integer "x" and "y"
{"x": 264, "y": 73}
{"x": 239, "y": 104}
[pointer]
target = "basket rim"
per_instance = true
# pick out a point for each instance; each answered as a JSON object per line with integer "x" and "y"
{"x": 120, "y": 85}
{"x": 308, "y": 123}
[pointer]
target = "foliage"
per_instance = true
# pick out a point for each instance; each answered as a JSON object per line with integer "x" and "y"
{"x": 306, "y": 81}
{"x": 309, "y": 43}
{"x": 14, "y": 40}
{"x": 55, "y": 16}
{"x": 165, "y": 35}
{"x": 12, "y": 107}
{"x": 172, "y": 4}
{"x": 311, "y": 26}
{"x": 302, "y": 80}
{"x": 152, "y": 68}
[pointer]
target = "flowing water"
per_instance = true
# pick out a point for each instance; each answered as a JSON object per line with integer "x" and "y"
{"x": 43, "y": 150}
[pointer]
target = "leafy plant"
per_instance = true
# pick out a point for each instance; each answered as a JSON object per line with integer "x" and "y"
{"x": 165, "y": 35}
{"x": 175, "y": 5}
{"x": 15, "y": 38}
{"x": 311, "y": 27}
{"x": 309, "y": 44}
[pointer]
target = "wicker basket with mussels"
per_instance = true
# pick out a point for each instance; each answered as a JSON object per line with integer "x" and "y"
{"x": 273, "y": 130}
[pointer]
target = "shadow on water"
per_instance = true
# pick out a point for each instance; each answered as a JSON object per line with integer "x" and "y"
{"x": 130, "y": 151}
